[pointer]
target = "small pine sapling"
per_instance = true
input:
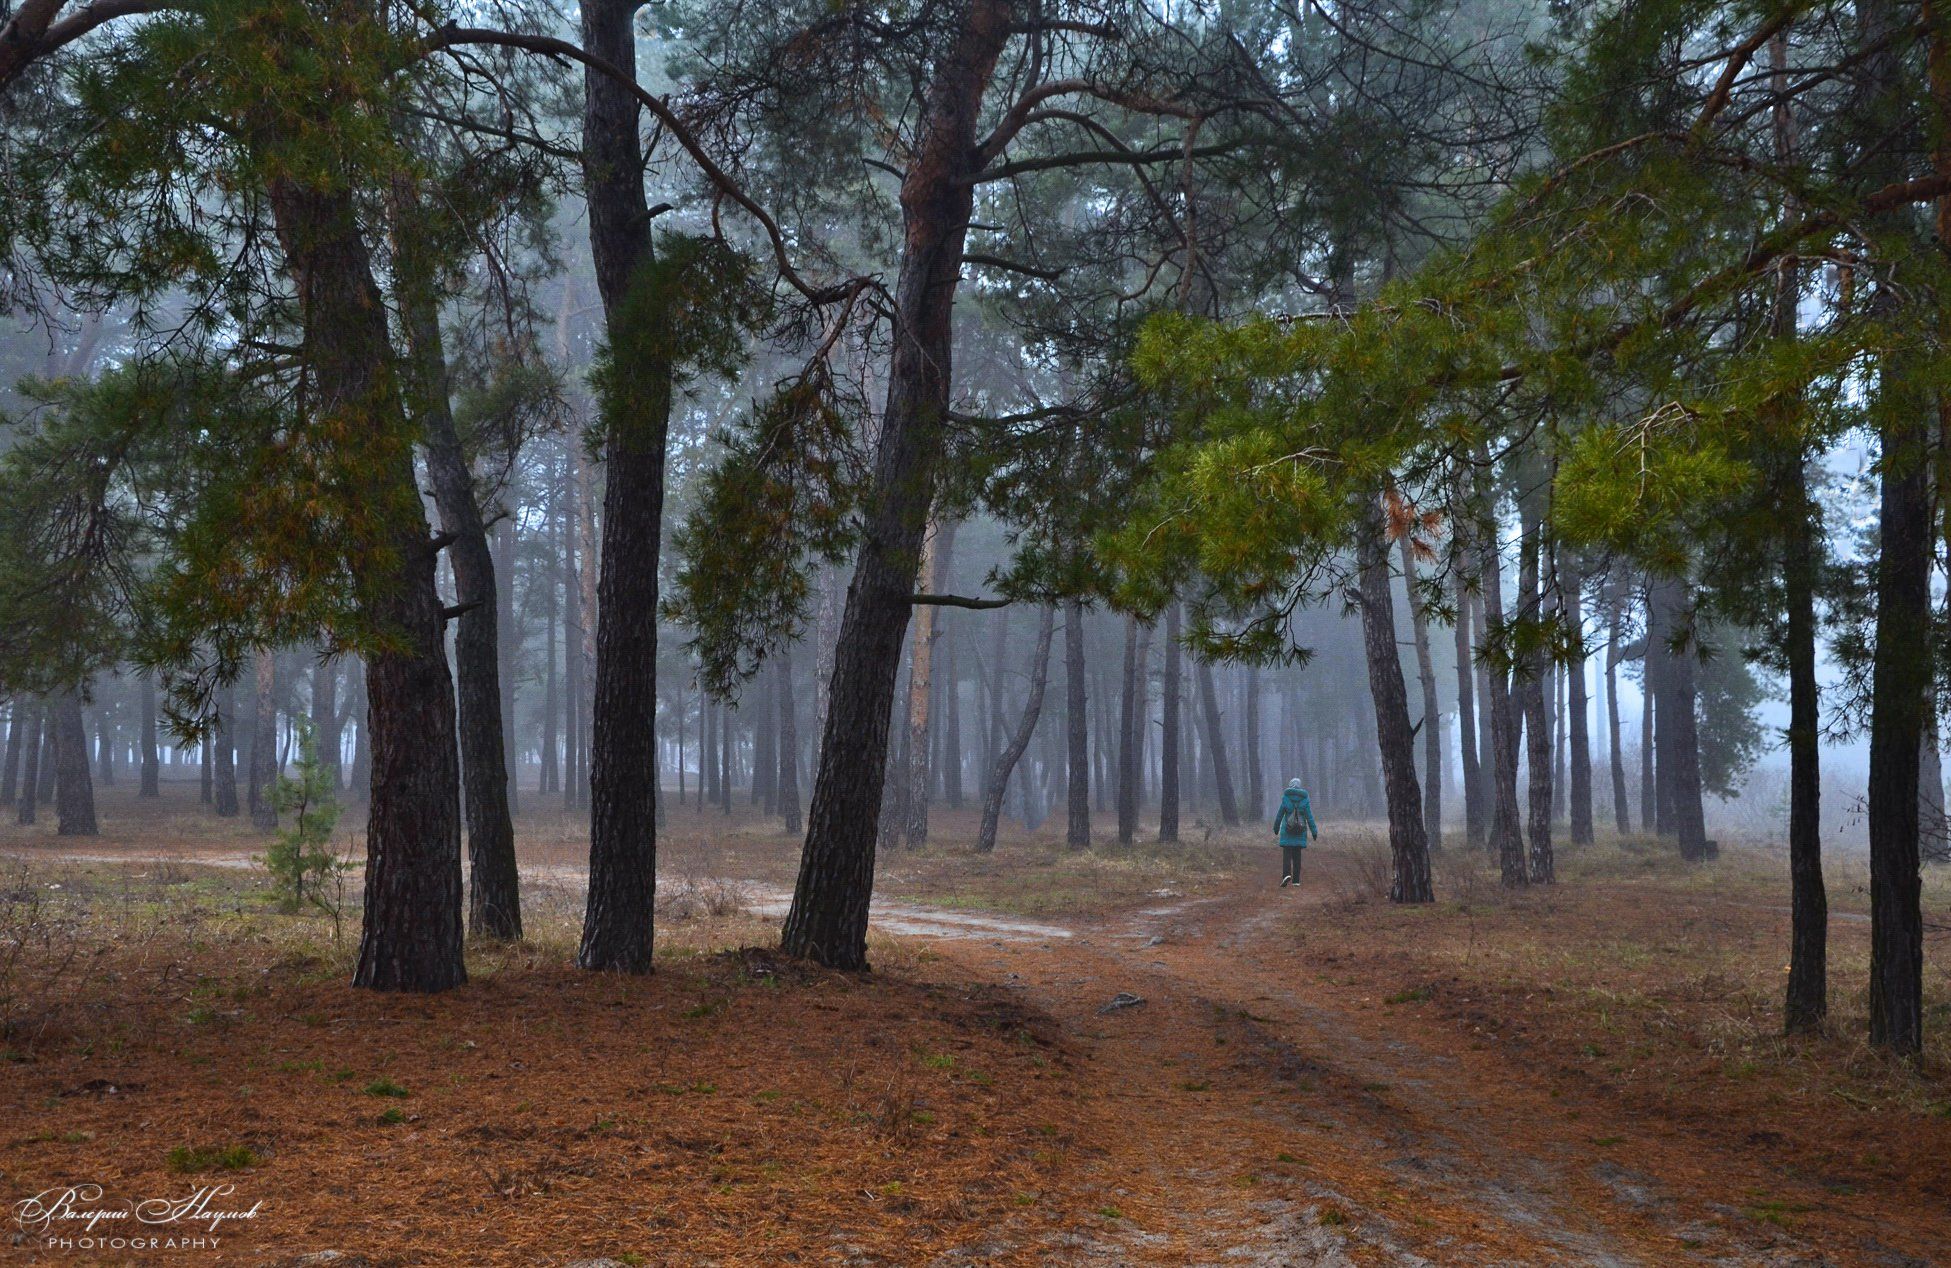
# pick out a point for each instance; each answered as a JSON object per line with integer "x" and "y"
{"x": 301, "y": 858}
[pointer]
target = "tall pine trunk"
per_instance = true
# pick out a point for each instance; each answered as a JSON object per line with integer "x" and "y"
{"x": 828, "y": 918}
{"x": 494, "y": 899}
{"x": 636, "y": 405}
{"x": 411, "y": 938}
{"x": 1409, "y": 880}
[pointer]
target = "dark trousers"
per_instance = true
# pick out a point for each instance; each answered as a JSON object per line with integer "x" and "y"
{"x": 1290, "y": 863}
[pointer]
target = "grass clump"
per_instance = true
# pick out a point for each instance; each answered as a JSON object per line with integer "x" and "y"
{"x": 189, "y": 1159}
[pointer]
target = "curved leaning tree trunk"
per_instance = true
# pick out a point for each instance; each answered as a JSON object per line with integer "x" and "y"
{"x": 411, "y": 938}
{"x": 1019, "y": 741}
{"x": 828, "y": 919}
{"x": 1408, "y": 845}
{"x": 618, "y": 922}
{"x": 494, "y": 898}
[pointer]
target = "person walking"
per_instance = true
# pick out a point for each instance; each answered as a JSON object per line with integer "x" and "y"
{"x": 1292, "y": 824}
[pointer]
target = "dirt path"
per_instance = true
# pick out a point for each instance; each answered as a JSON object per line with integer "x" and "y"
{"x": 1261, "y": 1116}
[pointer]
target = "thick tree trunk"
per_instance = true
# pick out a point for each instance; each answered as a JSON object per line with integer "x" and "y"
{"x": 1409, "y": 880}
{"x": 1170, "y": 745}
{"x": 74, "y": 790}
{"x": 494, "y": 898}
{"x": 262, "y": 777}
{"x": 618, "y": 919}
{"x": 412, "y": 933}
{"x": 1534, "y": 676}
{"x": 1077, "y": 827}
{"x": 151, "y": 781}
{"x": 828, "y": 918}
{"x": 1019, "y": 740}
{"x": 1129, "y": 722}
{"x": 508, "y": 641}
{"x": 1432, "y": 724}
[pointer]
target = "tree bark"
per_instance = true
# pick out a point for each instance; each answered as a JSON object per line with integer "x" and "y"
{"x": 494, "y": 898}
{"x": 1409, "y": 879}
{"x": 411, "y": 938}
{"x": 618, "y": 919}
{"x": 1077, "y": 828}
{"x": 1129, "y": 722}
{"x": 1806, "y": 1002}
{"x": 828, "y": 919}
{"x": 1256, "y": 776}
{"x": 74, "y": 790}
{"x": 1466, "y": 711}
{"x": 1432, "y": 724}
{"x": 1012, "y": 752}
{"x": 1170, "y": 745}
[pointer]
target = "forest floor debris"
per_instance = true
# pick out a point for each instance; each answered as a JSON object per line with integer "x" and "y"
{"x": 1589, "y": 1073}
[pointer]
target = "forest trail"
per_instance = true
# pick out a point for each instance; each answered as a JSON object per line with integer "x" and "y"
{"x": 1259, "y": 1113}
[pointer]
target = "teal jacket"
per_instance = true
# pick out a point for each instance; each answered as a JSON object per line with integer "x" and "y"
{"x": 1295, "y": 818}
